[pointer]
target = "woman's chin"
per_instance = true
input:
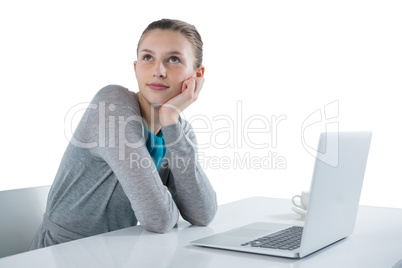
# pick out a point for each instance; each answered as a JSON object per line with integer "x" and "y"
{"x": 157, "y": 105}
{"x": 154, "y": 102}
{"x": 157, "y": 102}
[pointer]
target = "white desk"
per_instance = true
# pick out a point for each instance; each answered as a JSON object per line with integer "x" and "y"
{"x": 376, "y": 242}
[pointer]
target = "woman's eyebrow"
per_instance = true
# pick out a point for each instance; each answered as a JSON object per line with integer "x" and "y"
{"x": 175, "y": 52}
{"x": 147, "y": 51}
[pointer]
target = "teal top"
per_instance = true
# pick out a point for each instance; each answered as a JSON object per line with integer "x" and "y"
{"x": 156, "y": 147}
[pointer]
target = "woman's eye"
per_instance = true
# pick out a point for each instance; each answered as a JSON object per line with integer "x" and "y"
{"x": 174, "y": 59}
{"x": 147, "y": 57}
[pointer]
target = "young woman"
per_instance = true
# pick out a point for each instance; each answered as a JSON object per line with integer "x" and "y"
{"x": 132, "y": 157}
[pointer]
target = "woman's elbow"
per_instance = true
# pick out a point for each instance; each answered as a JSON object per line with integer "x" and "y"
{"x": 161, "y": 226}
{"x": 204, "y": 219}
{"x": 210, "y": 215}
{"x": 160, "y": 229}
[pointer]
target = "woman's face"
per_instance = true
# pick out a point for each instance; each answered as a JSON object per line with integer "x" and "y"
{"x": 165, "y": 60}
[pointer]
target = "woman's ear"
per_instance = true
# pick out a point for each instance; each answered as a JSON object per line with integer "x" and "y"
{"x": 135, "y": 66}
{"x": 200, "y": 71}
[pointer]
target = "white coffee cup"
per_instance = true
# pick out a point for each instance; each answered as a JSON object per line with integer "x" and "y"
{"x": 301, "y": 201}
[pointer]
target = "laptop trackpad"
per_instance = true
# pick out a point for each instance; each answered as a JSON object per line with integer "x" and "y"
{"x": 244, "y": 232}
{"x": 256, "y": 229}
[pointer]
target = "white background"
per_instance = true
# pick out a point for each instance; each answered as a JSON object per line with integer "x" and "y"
{"x": 262, "y": 59}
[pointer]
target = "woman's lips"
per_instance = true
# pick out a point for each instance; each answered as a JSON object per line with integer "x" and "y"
{"x": 157, "y": 86}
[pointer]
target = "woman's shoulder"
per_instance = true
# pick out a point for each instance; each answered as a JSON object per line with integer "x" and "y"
{"x": 111, "y": 92}
{"x": 117, "y": 95}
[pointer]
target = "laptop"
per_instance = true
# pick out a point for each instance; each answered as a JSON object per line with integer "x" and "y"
{"x": 334, "y": 200}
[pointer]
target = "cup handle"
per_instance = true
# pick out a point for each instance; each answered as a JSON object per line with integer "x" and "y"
{"x": 299, "y": 205}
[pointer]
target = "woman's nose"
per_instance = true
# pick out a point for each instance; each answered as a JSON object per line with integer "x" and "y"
{"x": 160, "y": 70}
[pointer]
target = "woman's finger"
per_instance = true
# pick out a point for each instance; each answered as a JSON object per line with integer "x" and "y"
{"x": 184, "y": 85}
{"x": 199, "y": 83}
{"x": 189, "y": 84}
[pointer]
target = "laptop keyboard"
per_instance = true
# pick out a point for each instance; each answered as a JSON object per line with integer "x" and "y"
{"x": 287, "y": 239}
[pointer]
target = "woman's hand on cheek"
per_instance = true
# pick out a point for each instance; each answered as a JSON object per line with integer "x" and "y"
{"x": 169, "y": 112}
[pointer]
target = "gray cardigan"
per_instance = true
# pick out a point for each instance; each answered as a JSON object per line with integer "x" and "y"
{"x": 107, "y": 179}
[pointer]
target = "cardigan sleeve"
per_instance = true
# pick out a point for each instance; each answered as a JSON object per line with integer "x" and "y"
{"x": 189, "y": 185}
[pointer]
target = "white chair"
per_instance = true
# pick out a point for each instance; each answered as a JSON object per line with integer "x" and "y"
{"x": 21, "y": 213}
